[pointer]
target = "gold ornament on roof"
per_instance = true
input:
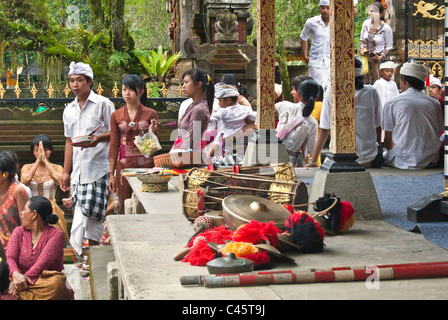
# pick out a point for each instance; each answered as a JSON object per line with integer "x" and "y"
{"x": 423, "y": 8}
{"x": 50, "y": 91}
{"x": 33, "y": 91}
{"x": 115, "y": 91}
{"x": 99, "y": 90}
{"x": 66, "y": 90}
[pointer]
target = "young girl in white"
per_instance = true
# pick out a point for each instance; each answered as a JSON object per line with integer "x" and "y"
{"x": 300, "y": 133}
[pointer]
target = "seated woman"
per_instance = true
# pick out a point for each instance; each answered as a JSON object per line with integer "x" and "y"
{"x": 13, "y": 198}
{"x": 35, "y": 255}
{"x": 43, "y": 177}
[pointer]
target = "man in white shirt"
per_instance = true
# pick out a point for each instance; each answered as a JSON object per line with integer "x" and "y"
{"x": 412, "y": 122}
{"x": 88, "y": 164}
{"x": 367, "y": 120}
{"x": 318, "y": 60}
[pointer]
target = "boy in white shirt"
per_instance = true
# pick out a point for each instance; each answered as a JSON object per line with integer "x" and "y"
{"x": 385, "y": 85}
{"x": 234, "y": 118}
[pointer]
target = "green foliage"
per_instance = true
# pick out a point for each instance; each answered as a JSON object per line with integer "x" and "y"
{"x": 156, "y": 62}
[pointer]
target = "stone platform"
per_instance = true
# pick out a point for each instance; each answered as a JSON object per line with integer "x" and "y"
{"x": 144, "y": 246}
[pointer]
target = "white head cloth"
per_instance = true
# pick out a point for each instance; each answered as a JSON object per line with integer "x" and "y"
{"x": 278, "y": 90}
{"x": 324, "y": 3}
{"x": 387, "y": 65}
{"x": 223, "y": 90}
{"x": 80, "y": 68}
{"x": 434, "y": 80}
{"x": 415, "y": 70}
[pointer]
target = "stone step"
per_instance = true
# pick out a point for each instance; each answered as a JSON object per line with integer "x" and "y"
{"x": 99, "y": 258}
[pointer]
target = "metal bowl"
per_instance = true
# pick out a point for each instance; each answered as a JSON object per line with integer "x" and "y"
{"x": 151, "y": 177}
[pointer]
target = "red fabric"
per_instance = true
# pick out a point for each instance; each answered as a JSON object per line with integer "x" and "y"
{"x": 200, "y": 254}
{"x": 346, "y": 211}
{"x": 256, "y": 232}
{"x": 259, "y": 258}
{"x": 200, "y": 194}
{"x": 48, "y": 254}
{"x": 216, "y": 235}
{"x": 289, "y": 207}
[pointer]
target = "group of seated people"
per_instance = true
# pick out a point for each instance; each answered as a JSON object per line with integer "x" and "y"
{"x": 402, "y": 130}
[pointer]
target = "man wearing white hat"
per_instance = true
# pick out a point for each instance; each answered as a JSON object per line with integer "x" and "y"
{"x": 87, "y": 162}
{"x": 318, "y": 28}
{"x": 435, "y": 89}
{"x": 412, "y": 122}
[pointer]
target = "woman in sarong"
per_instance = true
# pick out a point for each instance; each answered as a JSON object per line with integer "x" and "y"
{"x": 43, "y": 177}
{"x": 35, "y": 255}
{"x": 13, "y": 198}
{"x": 133, "y": 120}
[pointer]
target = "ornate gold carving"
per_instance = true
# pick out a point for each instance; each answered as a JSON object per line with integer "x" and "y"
{"x": 2, "y": 91}
{"x": 33, "y": 91}
{"x": 100, "y": 89}
{"x": 17, "y": 91}
{"x": 265, "y": 66}
{"x": 66, "y": 90}
{"x": 164, "y": 90}
{"x": 426, "y": 49}
{"x": 423, "y": 8}
{"x": 115, "y": 91}
{"x": 50, "y": 91}
{"x": 180, "y": 90}
{"x": 343, "y": 134}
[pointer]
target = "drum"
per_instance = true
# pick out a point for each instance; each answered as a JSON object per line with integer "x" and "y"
{"x": 207, "y": 188}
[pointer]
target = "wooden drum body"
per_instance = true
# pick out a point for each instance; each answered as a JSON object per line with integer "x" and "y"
{"x": 277, "y": 183}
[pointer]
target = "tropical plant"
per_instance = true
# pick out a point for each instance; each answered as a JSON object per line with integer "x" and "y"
{"x": 156, "y": 62}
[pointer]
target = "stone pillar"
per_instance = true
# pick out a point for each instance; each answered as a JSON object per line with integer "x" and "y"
{"x": 266, "y": 64}
{"x": 266, "y": 148}
{"x": 340, "y": 173}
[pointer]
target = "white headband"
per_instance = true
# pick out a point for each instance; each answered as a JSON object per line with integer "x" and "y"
{"x": 387, "y": 65}
{"x": 223, "y": 90}
{"x": 278, "y": 90}
{"x": 434, "y": 80}
{"x": 80, "y": 68}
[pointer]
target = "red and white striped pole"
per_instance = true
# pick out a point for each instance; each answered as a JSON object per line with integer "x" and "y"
{"x": 345, "y": 274}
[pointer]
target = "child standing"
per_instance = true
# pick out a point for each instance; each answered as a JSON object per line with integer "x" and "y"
{"x": 386, "y": 86}
{"x": 234, "y": 118}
